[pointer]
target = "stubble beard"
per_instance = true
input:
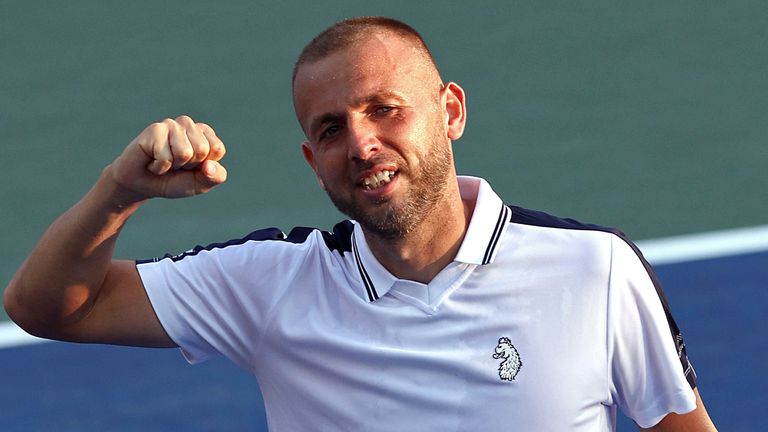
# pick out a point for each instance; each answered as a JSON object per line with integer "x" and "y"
{"x": 428, "y": 187}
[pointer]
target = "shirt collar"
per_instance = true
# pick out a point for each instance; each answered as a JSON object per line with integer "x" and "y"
{"x": 479, "y": 246}
{"x": 486, "y": 228}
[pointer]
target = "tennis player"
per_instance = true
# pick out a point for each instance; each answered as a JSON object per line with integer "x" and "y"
{"x": 435, "y": 307}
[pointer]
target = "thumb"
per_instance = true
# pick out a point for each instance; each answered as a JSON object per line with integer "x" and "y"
{"x": 212, "y": 174}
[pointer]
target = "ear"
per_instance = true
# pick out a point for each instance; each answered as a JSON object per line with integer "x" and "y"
{"x": 309, "y": 156}
{"x": 455, "y": 109}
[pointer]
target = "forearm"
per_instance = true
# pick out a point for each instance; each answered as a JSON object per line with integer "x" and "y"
{"x": 61, "y": 278}
{"x": 69, "y": 287}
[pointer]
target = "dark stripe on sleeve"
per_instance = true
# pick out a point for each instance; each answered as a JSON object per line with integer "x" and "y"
{"x": 677, "y": 336}
{"x": 259, "y": 235}
{"x": 339, "y": 240}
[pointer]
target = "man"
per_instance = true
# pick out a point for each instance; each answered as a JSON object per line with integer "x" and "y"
{"x": 437, "y": 308}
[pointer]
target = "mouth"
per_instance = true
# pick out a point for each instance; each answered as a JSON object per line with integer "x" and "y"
{"x": 378, "y": 179}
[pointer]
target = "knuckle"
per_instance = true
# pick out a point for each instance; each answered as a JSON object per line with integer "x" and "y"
{"x": 200, "y": 146}
{"x": 151, "y": 136}
{"x": 185, "y": 153}
{"x": 206, "y": 129}
{"x": 201, "y": 154}
{"x": 169, "y": 126}
{"x": 185, "y": 120}
{"x": 213, "y": 150}
{"x": 219, "y": 149}
{"x": 157, "y": 128}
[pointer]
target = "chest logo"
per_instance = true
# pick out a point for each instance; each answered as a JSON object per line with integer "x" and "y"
{"x": 511, "y": 363}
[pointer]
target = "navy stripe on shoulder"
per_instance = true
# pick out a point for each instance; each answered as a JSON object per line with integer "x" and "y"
{"x": 339, "y": 240}
{"x": 537, "y": 218}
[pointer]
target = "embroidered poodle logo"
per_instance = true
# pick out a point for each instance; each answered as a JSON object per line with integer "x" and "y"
{"x": 511, "y": 364}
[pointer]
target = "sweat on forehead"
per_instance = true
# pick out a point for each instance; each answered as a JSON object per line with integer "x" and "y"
{"x": 349, "y": 32}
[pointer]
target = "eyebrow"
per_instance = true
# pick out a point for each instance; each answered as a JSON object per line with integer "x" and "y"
{"x": 381, "y": 96}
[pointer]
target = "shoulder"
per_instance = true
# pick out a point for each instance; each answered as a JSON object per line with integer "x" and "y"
{"x": 537, "y": 218}
{"x": 568, "y": 242}
{"x": 548, "y": 226}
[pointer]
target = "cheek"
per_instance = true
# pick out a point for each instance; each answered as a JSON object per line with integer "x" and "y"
{"x": 330, "y": 165}
{"x": 328, "y": 157}
{"x": 426, "y": 134}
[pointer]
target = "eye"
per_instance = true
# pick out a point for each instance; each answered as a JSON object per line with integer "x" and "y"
{"x": 388, "y": 112}
{"x": 329, "y": 132}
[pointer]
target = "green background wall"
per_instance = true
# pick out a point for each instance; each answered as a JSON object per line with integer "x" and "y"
{"x": 650, "y": 116}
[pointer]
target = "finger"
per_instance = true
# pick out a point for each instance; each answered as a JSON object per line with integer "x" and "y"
{"x": 154, "y": 143}
{"x": 179, "y": 144}
{"x": 197, "y": 141}
{"x": 217, "y": 150}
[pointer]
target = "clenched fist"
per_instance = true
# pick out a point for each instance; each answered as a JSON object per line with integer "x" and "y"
{"x": 171, "y": 159}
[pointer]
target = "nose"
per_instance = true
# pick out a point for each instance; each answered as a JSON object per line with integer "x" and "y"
{"x": 363, "y": 140}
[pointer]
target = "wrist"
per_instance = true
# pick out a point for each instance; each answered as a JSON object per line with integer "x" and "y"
{"x": 117, "y": 197}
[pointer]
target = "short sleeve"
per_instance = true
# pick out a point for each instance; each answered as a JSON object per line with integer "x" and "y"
{"x": 650, "y": 372}
{"x": 214, "y": 300}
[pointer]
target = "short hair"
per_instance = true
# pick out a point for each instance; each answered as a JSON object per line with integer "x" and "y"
{"x": 351, "y": 31}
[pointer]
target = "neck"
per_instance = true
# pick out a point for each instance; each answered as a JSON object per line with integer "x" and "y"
{"x": 431, "y": 246}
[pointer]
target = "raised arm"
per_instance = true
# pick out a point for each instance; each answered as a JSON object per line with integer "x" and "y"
{"x": 70, "y": 288}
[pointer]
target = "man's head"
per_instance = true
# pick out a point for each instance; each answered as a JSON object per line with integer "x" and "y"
{"x": 349, "y": 32}
{"x": 378, "y": 121}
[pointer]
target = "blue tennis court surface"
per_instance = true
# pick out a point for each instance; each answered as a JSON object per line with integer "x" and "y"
{"x": 718, "y": 302}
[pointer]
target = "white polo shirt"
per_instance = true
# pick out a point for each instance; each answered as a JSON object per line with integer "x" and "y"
{"x": 539, "y": 324}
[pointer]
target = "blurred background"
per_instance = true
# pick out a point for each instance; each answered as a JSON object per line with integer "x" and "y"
{"x": 649, "y": 116}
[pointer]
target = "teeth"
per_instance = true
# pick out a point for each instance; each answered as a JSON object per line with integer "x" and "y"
{"x": 379, "y": 179}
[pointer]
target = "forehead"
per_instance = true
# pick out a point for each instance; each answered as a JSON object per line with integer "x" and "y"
{"x": 376, "y": 49}
{"x": 380, "y": 63}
